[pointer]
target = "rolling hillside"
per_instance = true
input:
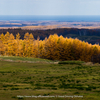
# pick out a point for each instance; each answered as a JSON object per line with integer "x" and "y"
{"x": 69, "y": 81}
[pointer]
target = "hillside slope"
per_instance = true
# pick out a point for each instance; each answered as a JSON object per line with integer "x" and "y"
{"x": 20, "y": 80}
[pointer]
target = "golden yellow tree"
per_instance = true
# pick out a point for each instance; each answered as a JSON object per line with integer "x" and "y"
{"x": 17, "y": 46}
{"x": 51, "y": 47}
{"x": 11, "y": 45}
{"x": 6, "y": 39}
{"x": 2, "y": 49}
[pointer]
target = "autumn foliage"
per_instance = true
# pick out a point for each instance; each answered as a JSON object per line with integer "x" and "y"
{"x": 54, "y": 47}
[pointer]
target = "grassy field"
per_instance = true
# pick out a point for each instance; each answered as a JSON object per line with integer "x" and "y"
{"x": 26, "y": 81}
{"x": 20, "y": 59}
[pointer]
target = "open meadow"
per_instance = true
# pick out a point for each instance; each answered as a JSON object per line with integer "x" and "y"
{"x": 43, "y": 79}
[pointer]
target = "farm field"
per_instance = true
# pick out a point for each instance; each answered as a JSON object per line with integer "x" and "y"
{"x": 55, "y": 81}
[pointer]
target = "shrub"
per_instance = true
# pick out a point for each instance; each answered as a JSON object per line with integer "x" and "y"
{"x": 88, "y": 89}
{"x": 76, "y": 93}
{"x": 54, "y": 88}
{"x": 71, "y": 62}
{"x": 14, "y": 88}
{"x": 80, "y": 88}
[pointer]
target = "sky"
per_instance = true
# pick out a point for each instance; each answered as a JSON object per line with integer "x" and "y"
{"x": 50, "y": 7}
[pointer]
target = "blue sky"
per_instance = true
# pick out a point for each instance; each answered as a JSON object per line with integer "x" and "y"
{"x": 49, "y": 7}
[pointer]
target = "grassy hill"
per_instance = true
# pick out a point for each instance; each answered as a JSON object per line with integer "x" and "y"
{"x": 24, "y": 59}
{"x": 22, "y": 80}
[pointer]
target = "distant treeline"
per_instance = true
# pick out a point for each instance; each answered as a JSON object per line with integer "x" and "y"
{"x": 54, "y": 47}
{"x": 88, "y": 35}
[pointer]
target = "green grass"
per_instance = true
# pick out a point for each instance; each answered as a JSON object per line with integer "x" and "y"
{"x": 17, "y": 58}
{"x": 27, "y": 79}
